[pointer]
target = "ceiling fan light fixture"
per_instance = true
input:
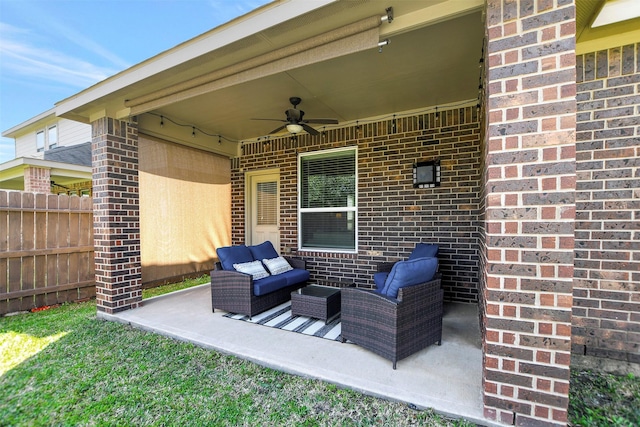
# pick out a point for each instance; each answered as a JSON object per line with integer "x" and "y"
{"x": 294, "y": 128}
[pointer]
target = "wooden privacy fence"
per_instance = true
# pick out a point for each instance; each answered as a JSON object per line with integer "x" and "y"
{"x": 47, "y": 255}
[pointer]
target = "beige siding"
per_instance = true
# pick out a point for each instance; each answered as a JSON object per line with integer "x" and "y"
{"x": 26, "y": 146}
{"x": 73, "y": 133}
{"x": 69, "y": 133}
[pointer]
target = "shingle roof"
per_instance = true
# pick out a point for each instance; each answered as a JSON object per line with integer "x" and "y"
{"x": 76, "y": 154}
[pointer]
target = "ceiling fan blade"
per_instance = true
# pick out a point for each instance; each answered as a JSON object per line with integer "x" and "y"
{"x": 309, "y": 129}
{"x": 323, "y": 121}
{"x": 272, "y": 120}
{"x": 278, "y": 129}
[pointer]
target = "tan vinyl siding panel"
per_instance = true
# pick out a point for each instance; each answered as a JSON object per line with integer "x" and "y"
{"x": 73, "y": 133}
{"x": 26, "y": 146}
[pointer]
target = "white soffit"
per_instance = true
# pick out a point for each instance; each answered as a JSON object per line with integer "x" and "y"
{"x": 617, "y": 11}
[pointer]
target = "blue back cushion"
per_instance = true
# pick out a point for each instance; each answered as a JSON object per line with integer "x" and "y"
{"x": 424, "y": 250}
{"x": 264, "y": 250}
{"x": 230, "y": 255}
{"x": 409, "y": 273}
{"x": 380, "y": 279}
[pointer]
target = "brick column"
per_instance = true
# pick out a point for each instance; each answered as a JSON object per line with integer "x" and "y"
{"x": 37, "y": 180}
{"x": 116, "y": 215}
{"x": 530, "y": 210}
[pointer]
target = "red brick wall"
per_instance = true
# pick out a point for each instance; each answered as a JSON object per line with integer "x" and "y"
{"x": 116, "y": 215}
{"x": 37, "y": 180}
{"x": 530, "y": 210}
{"x": 606, "y": 314}
{"x": 393, "y": 216}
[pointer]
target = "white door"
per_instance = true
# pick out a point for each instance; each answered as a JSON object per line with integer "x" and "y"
{"x": 264, "y": 208}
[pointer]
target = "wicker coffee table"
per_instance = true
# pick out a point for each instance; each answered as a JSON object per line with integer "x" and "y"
{"x": 320, "y": 302}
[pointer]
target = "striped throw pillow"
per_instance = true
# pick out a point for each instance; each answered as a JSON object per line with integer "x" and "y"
{"x": 254, "y": 268}
{"x": 277, "y": 265}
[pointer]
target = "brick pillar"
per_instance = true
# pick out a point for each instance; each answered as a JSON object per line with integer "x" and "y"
{"x": 530, "y": 210}
{"x": 116, "y": 215}
{"x": 37, "y": 180}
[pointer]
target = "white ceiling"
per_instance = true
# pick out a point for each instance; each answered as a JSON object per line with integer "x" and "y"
{"x": 431, "y": 66}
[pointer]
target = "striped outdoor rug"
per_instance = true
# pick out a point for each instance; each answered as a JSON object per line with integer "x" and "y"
{"x": 280, "y": 317}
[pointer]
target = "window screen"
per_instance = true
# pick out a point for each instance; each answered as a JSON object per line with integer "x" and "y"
{"x": 328, "y": 208}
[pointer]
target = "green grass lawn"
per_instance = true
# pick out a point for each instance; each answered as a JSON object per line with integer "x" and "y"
{"x": 63, "y": 366}
{"x": 187, "y": 283}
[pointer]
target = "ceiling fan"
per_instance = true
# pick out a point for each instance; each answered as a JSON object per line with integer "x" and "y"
{"x": 296, "y": 123}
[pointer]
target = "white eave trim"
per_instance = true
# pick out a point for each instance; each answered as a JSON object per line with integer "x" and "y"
{"x": 57, "y": 166}
{"x": 14, "y": 131}
{"x": 272, "y": 14}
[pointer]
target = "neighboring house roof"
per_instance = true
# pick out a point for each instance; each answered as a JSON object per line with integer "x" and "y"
{"x": 76, "y": 154}
{"x": 64, "y": 174}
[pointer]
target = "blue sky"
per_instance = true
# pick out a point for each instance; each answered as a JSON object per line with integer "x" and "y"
{"x": 52, "y": 49}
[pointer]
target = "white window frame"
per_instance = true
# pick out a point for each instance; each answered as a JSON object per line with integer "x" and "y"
{"x": 49, "y": 129}
{"x": 41, "y": 148}
{"x": 353, "y": 210}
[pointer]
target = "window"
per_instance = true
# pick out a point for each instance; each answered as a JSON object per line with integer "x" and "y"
{"x": 53, "y": 137}
{"x": 40, "y": 140}
{"x": 328, "y": 203}
{"x": 267, "y": 203}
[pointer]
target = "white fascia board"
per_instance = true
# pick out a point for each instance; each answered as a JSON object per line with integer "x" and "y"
{"x": 15, "y": 131}
{"x": 254, "y": 22}
{"x": 58, "y": 166}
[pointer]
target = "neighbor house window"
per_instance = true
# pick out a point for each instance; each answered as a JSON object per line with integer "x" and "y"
{"x": 52, "y": 137}
{"x": 328, "y": 203}
{"x": 40, "y": 140}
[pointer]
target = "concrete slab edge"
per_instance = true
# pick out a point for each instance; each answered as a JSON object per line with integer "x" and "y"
{"x": 179, "y": 336}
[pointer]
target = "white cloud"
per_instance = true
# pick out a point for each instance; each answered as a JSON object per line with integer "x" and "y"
{"x": 21, "y": 57}
{"x": 81, "y": 40}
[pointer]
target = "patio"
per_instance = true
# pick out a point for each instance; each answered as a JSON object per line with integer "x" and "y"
{"x": 447, "y": 378}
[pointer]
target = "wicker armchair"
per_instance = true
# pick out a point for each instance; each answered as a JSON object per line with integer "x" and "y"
{"x": 233, "y": 291}
{"x": 394, "y": 328}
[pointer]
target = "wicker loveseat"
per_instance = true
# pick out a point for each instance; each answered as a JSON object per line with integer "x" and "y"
{"x": 399, "y": 318}
{"x": 240, "y": 292}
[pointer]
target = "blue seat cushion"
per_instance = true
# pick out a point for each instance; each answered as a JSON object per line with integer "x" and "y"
{"x": 409, "y": 273}
{"x": 424, "y": 250}
{"x": 230, "y": 255}
{"x": 379, "y": 279}
{"x": 264, "y": 250}
{"x": 269, "y": 284}
{"x": 295, "y": 276}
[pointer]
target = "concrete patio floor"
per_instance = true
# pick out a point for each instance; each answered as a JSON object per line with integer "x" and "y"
{"x": 447, "y": 378}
